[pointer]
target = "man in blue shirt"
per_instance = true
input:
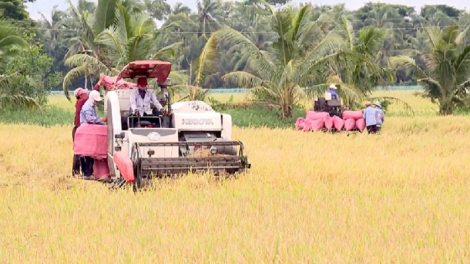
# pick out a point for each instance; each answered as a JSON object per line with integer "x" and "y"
{"x": 332, "y": 91}
{"x": 88, "y": 113}
{"x": 370, "y": 117}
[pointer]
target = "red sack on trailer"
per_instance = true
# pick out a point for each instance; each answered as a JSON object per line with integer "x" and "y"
{"x": 338, "y": 123}
{"x": 329, "y": 122}
{"x": 349, "y": 124}
{"x": 300, "y": 123}
{"x": 307, "y": 125}
{"x": 361, "y": 124}
{"x": 313, "y": 115}
{"x": 317, "y": 124}
{"x": 352, "y": 114}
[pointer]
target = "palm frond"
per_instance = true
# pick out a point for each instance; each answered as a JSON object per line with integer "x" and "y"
{"x": 466, "y": 84}
{"x": 167, "y": 50}
{"x": 307, "y": 66}
{"x": 19, "y": 101}
{"x": 298, "y": 22}
{"x": 206, "y": 60}
{"x": 87, "y": 34}
{"x": 85, "y": 59}
{"x": 111, "y": 39}
{"x": 408, "y": 63}
{"x": 243, "y": 79}
{"x": 258, "y": 59}
{"x": 349, "y": 31}
{"x": 179, "y": 77}
{"x": 432, "y": 87}
{"x": 459, "y": 40}
{"x": 9, "y": 36}
{"x": 462, "y": 65}
{"x": 404, "y": 104}
{"x": 72, "y": 75}
{"x": 104, "y": 15}
{"x": 434, "y": 34}
{"x": 272, "y": 93}
{"x": 370, "y": 39}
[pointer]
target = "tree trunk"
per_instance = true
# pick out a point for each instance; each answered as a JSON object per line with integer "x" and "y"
{"x": 446, "y": 108}
{"x": 286, "y": 109}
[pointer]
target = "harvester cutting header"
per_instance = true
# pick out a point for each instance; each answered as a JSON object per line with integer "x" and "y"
{"x": 185, "y": 137}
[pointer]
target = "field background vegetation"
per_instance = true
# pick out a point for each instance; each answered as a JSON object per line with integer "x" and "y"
{"x": 398, "y": 197}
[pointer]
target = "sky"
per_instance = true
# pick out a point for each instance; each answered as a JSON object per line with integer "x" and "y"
{"x": 45, "y": 6}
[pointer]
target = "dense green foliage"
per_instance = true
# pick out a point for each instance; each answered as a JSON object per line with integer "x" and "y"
{"x": 273, "y": 47}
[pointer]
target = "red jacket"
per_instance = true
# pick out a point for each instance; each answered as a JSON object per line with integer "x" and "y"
{"x": 78, "y": 107}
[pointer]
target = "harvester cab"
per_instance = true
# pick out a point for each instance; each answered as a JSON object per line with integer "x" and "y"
{"x": 187, "y": 137}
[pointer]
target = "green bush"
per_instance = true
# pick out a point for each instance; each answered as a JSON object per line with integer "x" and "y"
{"x": 29, "y": 76}
{"x": 261, "y": 116}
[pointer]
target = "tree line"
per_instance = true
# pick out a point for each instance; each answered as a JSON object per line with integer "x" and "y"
{"x": 279, "y": 50}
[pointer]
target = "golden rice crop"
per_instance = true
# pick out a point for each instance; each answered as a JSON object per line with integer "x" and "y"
{"x": 398, "y": 197}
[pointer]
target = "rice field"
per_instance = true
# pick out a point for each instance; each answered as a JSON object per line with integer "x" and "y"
{"x": 398, "y": 197}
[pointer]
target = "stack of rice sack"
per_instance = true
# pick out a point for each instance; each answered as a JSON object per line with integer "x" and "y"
{"x": 312, "y": 122}
{"x": 354, "y": 119}
{"x": 315, "y": 121}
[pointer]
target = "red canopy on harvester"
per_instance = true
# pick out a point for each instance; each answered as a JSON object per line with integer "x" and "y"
{"x": 146, "y": 68}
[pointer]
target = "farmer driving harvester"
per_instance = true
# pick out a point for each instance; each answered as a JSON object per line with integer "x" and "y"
{"x": 141, "y": 98}
{"x": 332, "y": 91}
{"x": 140, "y": 102}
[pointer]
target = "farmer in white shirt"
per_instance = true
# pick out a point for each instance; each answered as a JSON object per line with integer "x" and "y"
{"x": 141, "y": 98}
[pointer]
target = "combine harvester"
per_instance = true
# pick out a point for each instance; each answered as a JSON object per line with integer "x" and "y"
{"x": 330, "y": 115}
{"x": 188, "y": 137}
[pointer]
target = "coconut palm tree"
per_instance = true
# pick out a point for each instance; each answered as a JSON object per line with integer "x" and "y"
{"x": 209, "y": 15}
{"x": 109, "y": 45}
{"x": 299, "y": 49}
{"x": 135, "y": 37}
{"x": 85, "y": 56}
{"x": 361, "y": 64}
{"x": 446, "y": 75}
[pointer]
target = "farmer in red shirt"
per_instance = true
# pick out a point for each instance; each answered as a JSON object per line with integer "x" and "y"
{"x": 82, "y": 96}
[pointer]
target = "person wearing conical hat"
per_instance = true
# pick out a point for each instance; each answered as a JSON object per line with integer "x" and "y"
{"x": 370, "y": 118}
{"x": 380, "y": 116}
